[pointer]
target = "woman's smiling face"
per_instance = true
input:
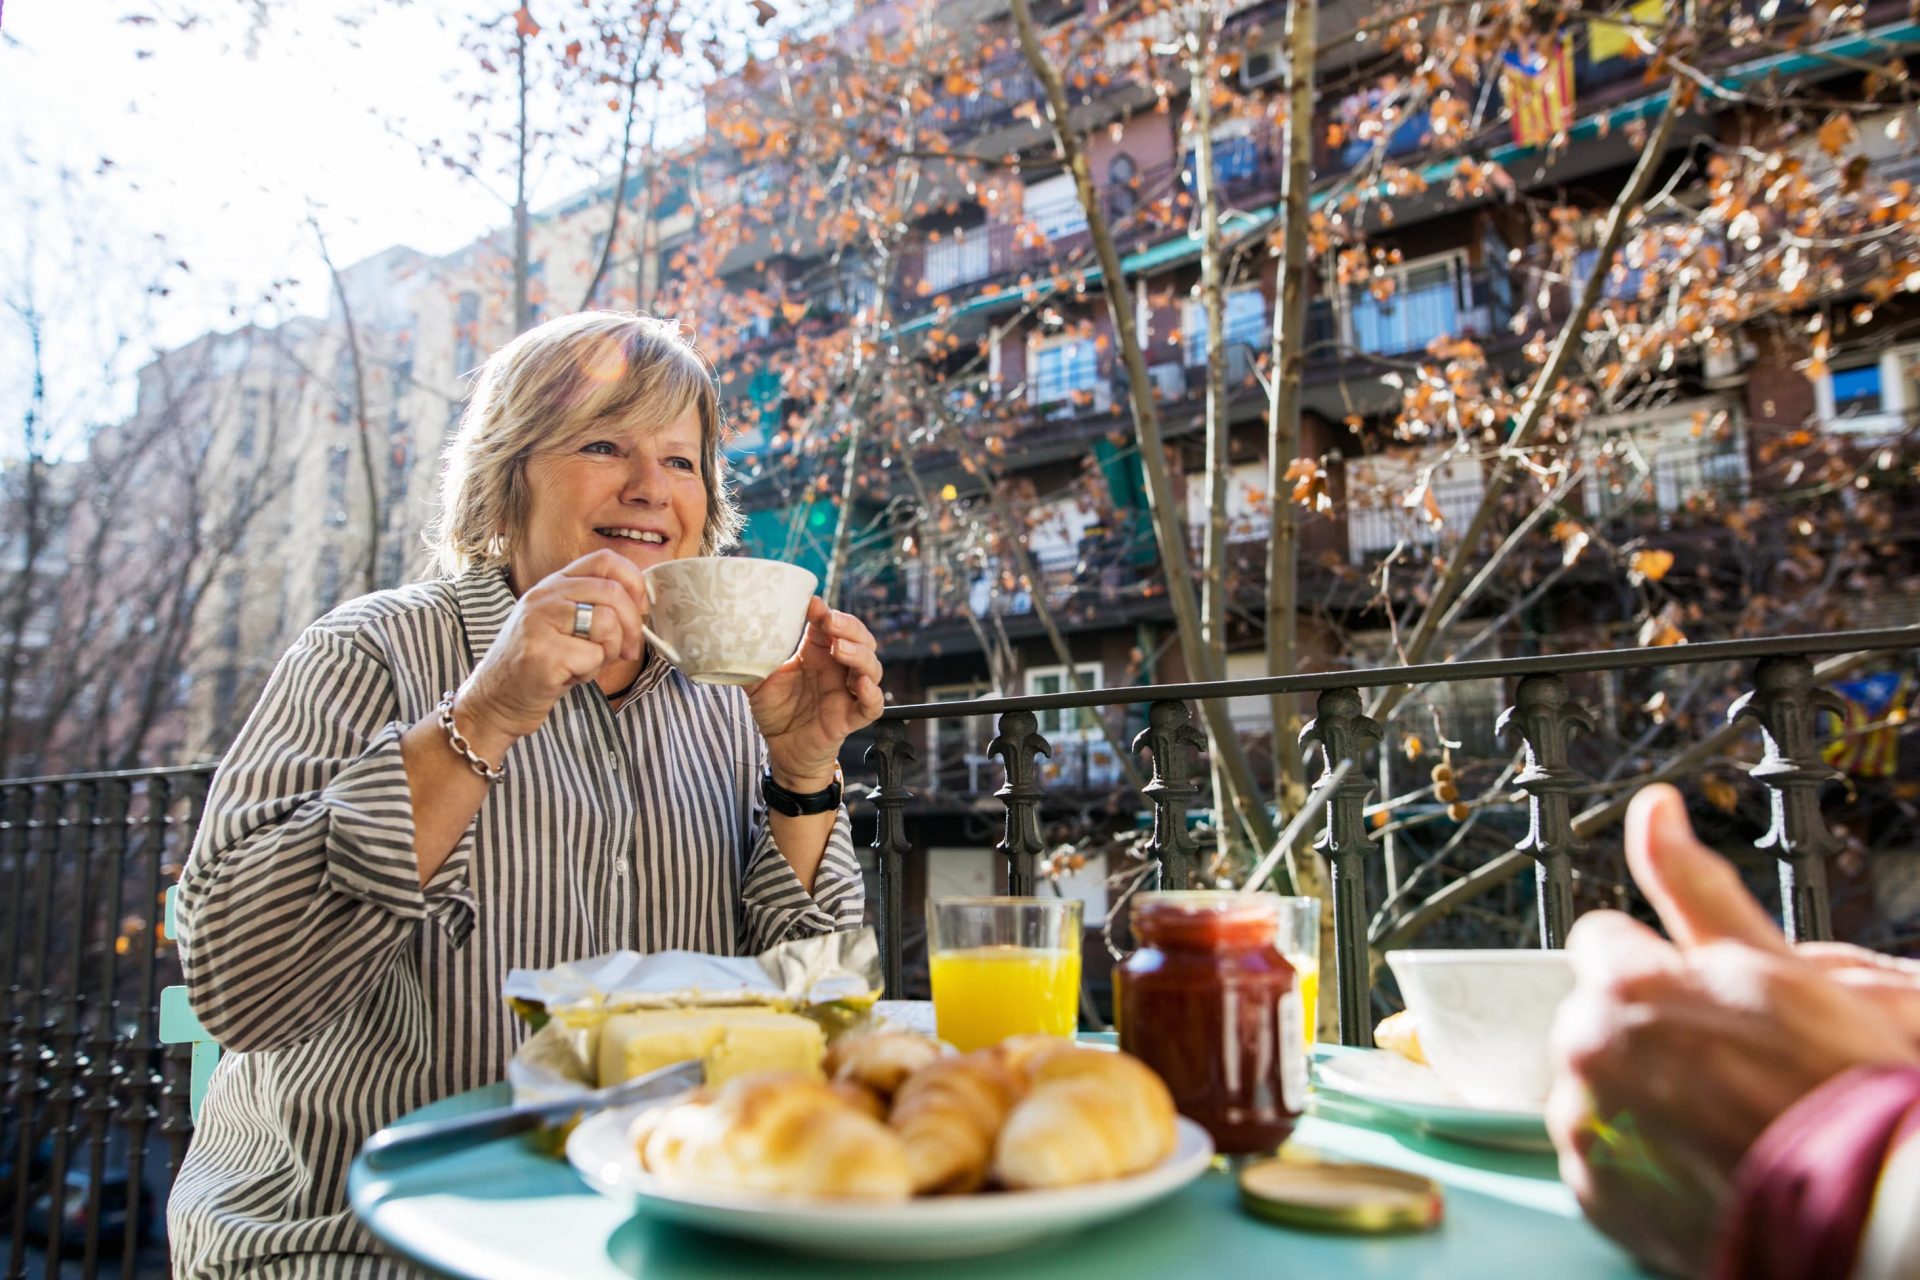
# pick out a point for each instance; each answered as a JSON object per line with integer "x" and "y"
{"x": 635, "y": 487}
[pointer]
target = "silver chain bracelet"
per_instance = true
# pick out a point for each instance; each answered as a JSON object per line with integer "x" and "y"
{"x": 461, "y": 745}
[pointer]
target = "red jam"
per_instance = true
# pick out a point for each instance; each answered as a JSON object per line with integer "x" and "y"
{"x": 1209, "y": 1003}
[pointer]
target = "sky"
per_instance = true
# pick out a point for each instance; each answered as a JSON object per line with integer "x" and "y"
{"x": 220, "y": 143}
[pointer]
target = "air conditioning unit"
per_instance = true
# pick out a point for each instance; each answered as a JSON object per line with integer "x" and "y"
{"x": 1263, "y": 66}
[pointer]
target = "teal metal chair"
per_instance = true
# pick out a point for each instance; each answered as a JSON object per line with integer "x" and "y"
{"x": 178, "y": 1025}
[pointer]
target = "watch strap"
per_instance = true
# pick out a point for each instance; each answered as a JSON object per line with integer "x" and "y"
{"x": 798, "y": 804}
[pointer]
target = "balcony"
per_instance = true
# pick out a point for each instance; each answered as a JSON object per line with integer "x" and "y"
{"x": 1151, "y": 205}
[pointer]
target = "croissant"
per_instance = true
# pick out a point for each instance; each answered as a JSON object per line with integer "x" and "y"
{"x": 1399, "y": 1033}
{"x": 1090, "y": 1115}
{"x": 783, "y": 1133}
{"x": 947, "y": 1114}
{"x": 867, "y": 1101}
{"x": 880, "y": 1060}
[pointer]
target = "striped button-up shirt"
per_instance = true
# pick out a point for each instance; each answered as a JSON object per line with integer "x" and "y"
{"x": 346, "y": 995}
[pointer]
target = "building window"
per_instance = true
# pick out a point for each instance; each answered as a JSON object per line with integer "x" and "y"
{"x": 1063, "y": 369}
{"x": 466, "y": 336}
{"x": 1122, "y": 175}
{"x": 249, "y": 423}
{"x": 1663, "y": 465}
{"x": 329, "y": 578}
{"x": 957, "y": 745}
{"x": 1424, "y": 304}
{"x": 1053, "y": 207}
{"x": 1857, "y": 391}
{"x": 337, "y": 485}
{"x": 1387, "y": 500}
{"x": 1877, "y": 398}
{"x": 958, "y": 257}
{"x": 1246, "y": 326}
{"x": 1045, "y": 680}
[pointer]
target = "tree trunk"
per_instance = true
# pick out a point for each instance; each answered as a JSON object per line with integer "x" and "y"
{"x": 1146, "y": 416}
{"x": 1213, "y": 545}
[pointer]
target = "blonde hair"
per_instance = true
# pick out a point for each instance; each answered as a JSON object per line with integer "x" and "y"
{"x": 552, "y": 386}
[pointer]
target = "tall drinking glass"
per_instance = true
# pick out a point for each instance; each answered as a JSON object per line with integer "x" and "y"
{"x": 1003, "y": 967}
{"x": 1298, "y": 940}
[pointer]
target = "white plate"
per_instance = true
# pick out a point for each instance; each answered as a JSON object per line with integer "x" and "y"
{"x": 934, "y": 1227}
{"x": 1413, "y": 1092}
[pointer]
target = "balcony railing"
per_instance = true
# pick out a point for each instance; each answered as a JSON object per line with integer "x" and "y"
{"x": 96, "y": 1102}
{"x": 1783, "y": 705}
{"x": 1150, "y": 205}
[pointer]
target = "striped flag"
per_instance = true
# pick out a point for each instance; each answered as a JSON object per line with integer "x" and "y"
{"x": 1538, "y": 83}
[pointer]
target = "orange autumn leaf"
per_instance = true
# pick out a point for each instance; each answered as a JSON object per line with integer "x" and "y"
{"x": 1837, "y": 134}
{"x": 1720, "y": 793}
{"x": 524, "y": 24}
{"x": 1649, "y": 566}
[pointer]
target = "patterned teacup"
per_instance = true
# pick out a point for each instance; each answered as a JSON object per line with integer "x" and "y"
{"x": 727, "y": 619}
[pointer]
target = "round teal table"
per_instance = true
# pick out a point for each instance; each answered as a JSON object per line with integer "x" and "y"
{"x": 501, "y": 1210}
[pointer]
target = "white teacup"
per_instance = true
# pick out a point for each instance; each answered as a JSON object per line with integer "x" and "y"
{"x": 727, "y": 619}
{"x": 1483, "y": 1017}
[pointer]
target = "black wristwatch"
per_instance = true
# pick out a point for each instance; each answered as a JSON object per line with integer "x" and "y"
{"x": 798, "y": 804}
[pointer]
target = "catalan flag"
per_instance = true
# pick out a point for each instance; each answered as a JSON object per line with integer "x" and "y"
{"x": 1877, "y": 700}
{"x": 1538, "y": 82}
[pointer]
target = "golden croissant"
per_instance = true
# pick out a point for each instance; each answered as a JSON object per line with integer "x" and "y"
{"x": 1399, "y": 1033}
{"x": 880, "y": 1060}
{"x": 1089, "y": 1115}
{"x": 947, "y": 1114}
{"x": 782, "y": 1133}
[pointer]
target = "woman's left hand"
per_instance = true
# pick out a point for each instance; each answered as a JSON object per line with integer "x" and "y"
{"x": 827, "y": 690}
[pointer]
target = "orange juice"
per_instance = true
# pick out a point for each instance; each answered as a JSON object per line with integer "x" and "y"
{"x": 981, "y": 995}
{"x": 1306, "y": 980}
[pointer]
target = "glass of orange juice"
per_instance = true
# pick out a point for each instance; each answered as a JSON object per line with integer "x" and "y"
{"x": 1003, "y": 967}
{"x": 1299, "y": 941}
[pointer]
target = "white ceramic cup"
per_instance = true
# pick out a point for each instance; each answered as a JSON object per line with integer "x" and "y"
{"x": 1483, "y": 1017}
{"x": 727, "y": 619}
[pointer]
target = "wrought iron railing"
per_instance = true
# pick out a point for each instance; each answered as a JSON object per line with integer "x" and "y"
{"x": 1785, "y": 699}
{"x": 91, "y": 1093}
{"x": 95, "y": 1102}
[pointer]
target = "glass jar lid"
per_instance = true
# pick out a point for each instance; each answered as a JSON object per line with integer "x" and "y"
{"x": 1361, "y": 1199}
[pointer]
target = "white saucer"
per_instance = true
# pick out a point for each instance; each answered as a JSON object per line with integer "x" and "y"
{"x": 1411, "y": 1091}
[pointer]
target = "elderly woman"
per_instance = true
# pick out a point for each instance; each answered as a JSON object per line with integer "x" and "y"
{"x": 491, "y": 770}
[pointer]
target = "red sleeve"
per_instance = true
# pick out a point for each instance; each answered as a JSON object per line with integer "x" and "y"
{"x": 1802, "y": 1194}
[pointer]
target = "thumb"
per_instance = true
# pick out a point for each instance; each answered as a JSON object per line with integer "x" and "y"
{"x": 1696, "y": 892}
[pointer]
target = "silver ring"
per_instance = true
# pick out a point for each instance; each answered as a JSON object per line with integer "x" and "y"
{"x": 582, "y": 619}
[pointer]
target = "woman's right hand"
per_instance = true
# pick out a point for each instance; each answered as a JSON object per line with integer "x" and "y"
{"x": 537, "y": 657}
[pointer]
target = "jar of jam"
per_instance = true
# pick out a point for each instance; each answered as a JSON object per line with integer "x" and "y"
{"x": 1210, "y": 1004}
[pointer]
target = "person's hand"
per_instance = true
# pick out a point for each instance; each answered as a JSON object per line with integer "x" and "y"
{"x": 828, "y": 689}
{"x": 1672, "y": 1057}
{"x": 537, "y": 657}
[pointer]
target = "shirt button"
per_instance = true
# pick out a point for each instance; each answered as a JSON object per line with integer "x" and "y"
{"x": 620, "y": 868}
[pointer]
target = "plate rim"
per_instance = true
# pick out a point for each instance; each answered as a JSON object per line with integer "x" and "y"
{"x": 1191, "y": 1156}
{"x": 1457, "y": 1110}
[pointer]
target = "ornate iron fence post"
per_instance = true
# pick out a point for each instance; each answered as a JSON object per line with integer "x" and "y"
{"x": 1174, "y": 742}
{"x": 1546, "y": 716}
{"x": 1343, "y": 732}
{"x": 890, "y": 755}
{"x": 74, "y": 806}
{"x": 1787, "y": 703}
{"x": 30, "y": 1082}
{"x": 140, "y": 1087}
{"x": 1018, "y": 744}
{"x": 109, "y": 821}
